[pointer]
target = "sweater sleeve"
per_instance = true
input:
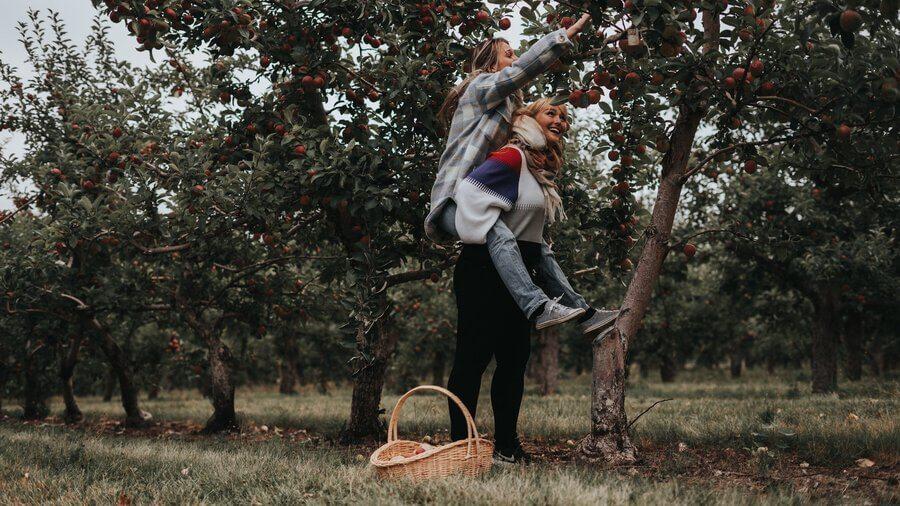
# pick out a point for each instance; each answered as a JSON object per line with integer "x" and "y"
{"x": 491, "y": 89}
{"x": 491, "y": 188}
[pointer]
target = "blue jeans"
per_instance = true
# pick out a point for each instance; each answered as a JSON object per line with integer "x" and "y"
{"x": 507, "y": 259}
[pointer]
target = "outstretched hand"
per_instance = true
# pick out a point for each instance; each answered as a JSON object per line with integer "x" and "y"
{"x": 578, "y": 26}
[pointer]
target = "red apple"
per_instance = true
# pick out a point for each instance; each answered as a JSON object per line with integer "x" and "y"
{"x": 843, "y": 132}
{"x": 689, "y": 250}
{"x": 575, "y": 98}
{"x": 505, "y": 23}
{"x": 756, "y": 66}
{"x": 850, "y": 20}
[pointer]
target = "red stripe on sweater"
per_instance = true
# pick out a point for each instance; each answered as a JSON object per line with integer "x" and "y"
{"x": 509, "y": 156}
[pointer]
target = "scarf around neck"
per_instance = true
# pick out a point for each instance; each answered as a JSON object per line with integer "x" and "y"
{"x": 528, "y": 136}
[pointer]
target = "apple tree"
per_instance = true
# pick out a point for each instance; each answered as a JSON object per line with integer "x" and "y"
{"x": 677, "y": 66}
{"x": 337, "y": 125}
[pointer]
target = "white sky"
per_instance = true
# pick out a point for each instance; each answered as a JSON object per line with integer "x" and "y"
{"x": 77, "y": 15}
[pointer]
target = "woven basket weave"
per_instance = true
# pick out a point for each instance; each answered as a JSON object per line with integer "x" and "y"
{"x": 470, "y": 457}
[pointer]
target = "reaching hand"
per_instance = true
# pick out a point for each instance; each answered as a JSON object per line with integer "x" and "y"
{"x": 576, "y": 28}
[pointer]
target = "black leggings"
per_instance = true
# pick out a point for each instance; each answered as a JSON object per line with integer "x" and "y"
{"x": 489, "y": 325}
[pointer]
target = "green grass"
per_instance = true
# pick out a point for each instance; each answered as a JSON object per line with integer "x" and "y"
{"x": 724, "y": 420}
{"x": 65, "y": 467}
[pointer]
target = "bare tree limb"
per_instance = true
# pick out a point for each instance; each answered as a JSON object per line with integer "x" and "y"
{"x": 7, "y": 217}
{"x": 645, "y": 411}
{"x": 163, "y": 249}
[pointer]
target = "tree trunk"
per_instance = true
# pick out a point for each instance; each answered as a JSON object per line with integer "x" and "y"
{"x": 876, "y": 357}
{"x": 287, "y": 378}
{"x": 288, "y": 370}
{"x": 825, "y": 341}
{"x": 668, "y": 368}
{"x": 365, "y": 407}
{"x": 546, "y": 361}
{"x": 438, "y": 368}
{"x": 770, "y": 365}
{"x": 134, "y": 416}
{"x": 109, "y": 385}
{"x": 737, "y": 363}
{"x": 66, "y": 372}
{"x": 4, "y": 373}
{"x": 854, "y": 337}
{"x": 34, "y": 405}
{"x": 608, "y": 440}
{"x": 644, "y": 370}
{"x": 221, "y": 386}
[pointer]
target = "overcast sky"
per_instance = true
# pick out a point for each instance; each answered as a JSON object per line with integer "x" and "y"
{"x": 77, "y": 15}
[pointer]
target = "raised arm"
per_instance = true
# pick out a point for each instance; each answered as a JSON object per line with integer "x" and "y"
{"x": 491, "y": 89}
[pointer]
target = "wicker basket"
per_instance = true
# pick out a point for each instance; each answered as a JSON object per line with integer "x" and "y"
{"x": 470, "y": 457}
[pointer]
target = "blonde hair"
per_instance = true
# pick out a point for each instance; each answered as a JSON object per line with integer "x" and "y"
{"x": 485, "y": 58}
{"x": 545, "y": 163}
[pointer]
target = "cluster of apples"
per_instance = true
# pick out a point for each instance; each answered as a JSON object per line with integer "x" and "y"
{"x": 422, "y": 448}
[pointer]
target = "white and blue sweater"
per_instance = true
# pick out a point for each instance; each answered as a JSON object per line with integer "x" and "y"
{"x": 501, "y": 187}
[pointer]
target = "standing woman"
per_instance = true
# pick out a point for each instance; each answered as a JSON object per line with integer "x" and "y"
{"x": 515, "y": 186}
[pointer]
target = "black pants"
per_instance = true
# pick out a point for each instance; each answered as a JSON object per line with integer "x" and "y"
{"x": 489, "y": 325}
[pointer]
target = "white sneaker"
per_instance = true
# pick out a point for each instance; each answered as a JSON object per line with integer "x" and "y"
{"x": 600, "y": 319}
{"x": 555, "y": 313}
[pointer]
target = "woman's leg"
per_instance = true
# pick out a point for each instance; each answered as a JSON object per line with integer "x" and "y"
{"x": 513, "y": 348}
{"x": 507, "y": 258}
{"x": 555, "y": 281}
{"x": 474, "y": 335}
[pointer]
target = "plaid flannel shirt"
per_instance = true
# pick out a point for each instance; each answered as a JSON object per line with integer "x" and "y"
{"x": 482, "y": 118}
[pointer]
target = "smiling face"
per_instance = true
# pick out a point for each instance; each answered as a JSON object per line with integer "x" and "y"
{"x": 505, "y": 56}
{"x": 554, "y": 122}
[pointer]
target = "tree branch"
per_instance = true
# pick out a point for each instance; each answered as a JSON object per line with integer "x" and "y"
{"x": 163, "y": 249}
{"x": 7, "y": 217}
{"x": 645, "y": 411}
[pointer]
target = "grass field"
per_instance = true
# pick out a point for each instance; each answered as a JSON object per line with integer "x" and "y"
{"x": 760, "y": 439}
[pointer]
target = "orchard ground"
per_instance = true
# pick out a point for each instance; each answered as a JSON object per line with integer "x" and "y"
{"x": 758, "y": 439}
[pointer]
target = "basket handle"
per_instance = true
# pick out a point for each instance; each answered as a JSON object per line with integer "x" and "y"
{"x": 470, "y": 423}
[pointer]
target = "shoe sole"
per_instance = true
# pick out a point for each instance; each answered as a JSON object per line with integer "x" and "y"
{"x": 601, "y": 336}
{"x": 601, "y": 324}
{"x": 563, "y": 319}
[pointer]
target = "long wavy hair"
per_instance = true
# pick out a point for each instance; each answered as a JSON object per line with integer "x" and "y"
{"x": 485, "y": 58}
{"x": 544, "y": 163}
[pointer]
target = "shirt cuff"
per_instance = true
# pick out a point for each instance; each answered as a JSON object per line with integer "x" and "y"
{"x": 561, "y": 37}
